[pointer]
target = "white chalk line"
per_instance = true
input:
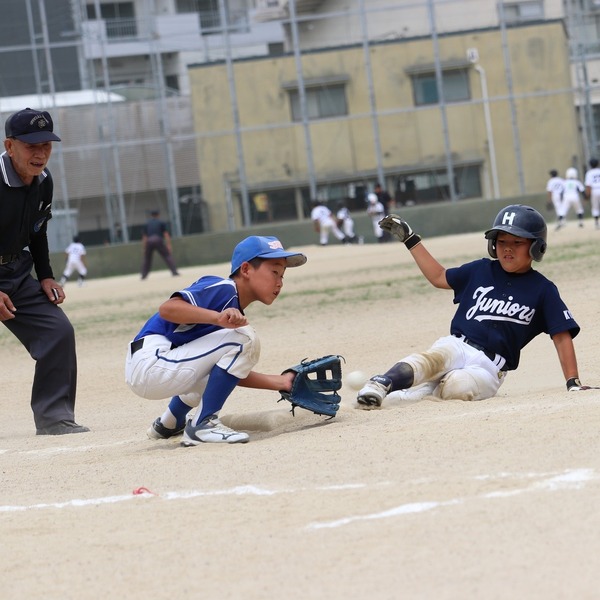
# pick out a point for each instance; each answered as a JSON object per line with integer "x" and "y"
{"x": 246, "y": 490}
{"x": 573, "y": 479}
{"x": 570, "y": 479}
{"x": 54, "y": 450}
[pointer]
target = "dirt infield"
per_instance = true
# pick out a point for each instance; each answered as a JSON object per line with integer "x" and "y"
{"x": 445, "y": 500}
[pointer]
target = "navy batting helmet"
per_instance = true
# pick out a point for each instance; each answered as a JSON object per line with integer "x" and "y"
{"x": 522, "y": 221}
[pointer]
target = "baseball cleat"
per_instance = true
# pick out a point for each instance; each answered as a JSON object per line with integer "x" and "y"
{"x": 373, "y": 392}
{"x": 157, "y": 431}
{"x": 211, "y": 430}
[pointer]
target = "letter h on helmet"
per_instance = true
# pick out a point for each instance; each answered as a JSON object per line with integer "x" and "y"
{"x": 521, "y": 221}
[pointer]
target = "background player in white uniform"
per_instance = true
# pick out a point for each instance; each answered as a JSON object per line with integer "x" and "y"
{"x": 554, "y": 189}
{"x": 573, "y": 189}
{"x": 376, "y": 211}
{"x": 345, "y": 222}
{"x": 592, "y": 189}
{"x": 199, "y": 346}
{"x": 324, "y": 223}
{"x": 502, "y": 305}
{"x": 75, "y": 252}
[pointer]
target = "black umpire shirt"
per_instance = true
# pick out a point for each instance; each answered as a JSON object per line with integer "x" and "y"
{"x": 155, "y": 227}
{"x": 24, "y": 215}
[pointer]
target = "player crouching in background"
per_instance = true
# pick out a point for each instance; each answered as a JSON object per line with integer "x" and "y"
{"x": 199, "y": 346}
{"x": 502, "y": 305}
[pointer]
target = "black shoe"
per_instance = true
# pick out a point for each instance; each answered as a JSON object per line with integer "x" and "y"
{"x": 157, "y": 431}
{"x": 61, "y": 428}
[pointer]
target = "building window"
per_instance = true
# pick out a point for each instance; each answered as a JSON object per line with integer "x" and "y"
{"x": 515, "y": 12}
{"x": 210, "y": 16}
{"x": 433, "y": 186}
{"x": 276, "y": 49}
{"x": 321, "y": 102}
{"x": 172, "y": 82}
{"x": 119, "y": 17}
{"x": 455, "y": 83}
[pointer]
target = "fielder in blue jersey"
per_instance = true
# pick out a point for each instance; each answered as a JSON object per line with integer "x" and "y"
{"x": 199, "y": 346}
{"x": 502, "y": 305}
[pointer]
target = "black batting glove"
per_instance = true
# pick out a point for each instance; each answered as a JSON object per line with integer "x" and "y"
{"x": 574, "y": 385}
{"x": 398, "y": 227}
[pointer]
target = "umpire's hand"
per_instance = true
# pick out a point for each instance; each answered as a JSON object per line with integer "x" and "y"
{"x": 7, "y": 308}
{"x": 53, "y": 290}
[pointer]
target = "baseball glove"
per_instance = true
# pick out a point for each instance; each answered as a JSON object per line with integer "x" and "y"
{"x": 315, "y": 385}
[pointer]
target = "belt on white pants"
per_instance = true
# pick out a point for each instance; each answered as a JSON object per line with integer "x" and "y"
{"x": 498, "y": 360}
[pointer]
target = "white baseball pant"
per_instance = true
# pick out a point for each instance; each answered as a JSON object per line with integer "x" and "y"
{"x": 566, "y": 204}
{"x": 595, "y": 202}
{"x": 327, "y": 226}
{"x": 451, "y": 369}
{"x": 156, "y": 371}
{"x": 75, "y": 264}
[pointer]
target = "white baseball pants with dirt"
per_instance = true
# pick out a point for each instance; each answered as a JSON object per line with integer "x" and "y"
{"x": 451, "y": 369}
{"x": 156, "y": 371}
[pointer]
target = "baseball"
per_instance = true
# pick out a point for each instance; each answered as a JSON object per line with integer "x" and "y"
{"x": 356, "y": 379}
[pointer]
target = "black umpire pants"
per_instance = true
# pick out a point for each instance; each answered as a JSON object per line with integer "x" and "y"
{"x": 156, "y": 242}
{"x": 47, "y": 334}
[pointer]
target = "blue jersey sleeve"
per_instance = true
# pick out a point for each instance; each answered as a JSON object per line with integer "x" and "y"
{"x": 213, "y": 293}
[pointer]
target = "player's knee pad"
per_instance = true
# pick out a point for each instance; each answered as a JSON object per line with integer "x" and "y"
{"x": 458, "y": 385}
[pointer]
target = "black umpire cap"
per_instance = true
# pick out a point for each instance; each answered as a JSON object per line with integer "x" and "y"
{"x": 31, "y": 126}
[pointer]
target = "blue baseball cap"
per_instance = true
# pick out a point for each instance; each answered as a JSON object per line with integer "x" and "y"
{"x": 31, "y": 126}
{"x": 258, "y": 246}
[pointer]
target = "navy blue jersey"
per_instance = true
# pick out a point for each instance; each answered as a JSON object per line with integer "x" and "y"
{"x": 503, "y": 312}
{"x": 155, "y": 227}
{"x": 211, "y": 292}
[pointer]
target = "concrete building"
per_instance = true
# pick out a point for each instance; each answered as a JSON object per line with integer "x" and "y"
{"x": 124, "y": 36}
{"x": 532, "y": 110}
{"x": 342, "y": 81}
{"x": 132, "y": 150}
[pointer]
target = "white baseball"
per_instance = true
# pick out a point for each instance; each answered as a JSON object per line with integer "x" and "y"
{"x": 356, "y": 379}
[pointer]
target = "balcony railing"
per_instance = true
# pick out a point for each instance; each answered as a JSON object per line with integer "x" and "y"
{"x": 118, "y": 29}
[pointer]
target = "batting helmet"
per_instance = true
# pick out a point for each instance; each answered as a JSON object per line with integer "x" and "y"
{"x": 593, "y": 163}
{"x": 571, "y": 173}
{"x": 522, "y": 221}
{"x": 554, "y": 173}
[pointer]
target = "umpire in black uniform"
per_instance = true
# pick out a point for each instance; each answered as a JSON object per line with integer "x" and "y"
{"x": 28, "y": 306}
